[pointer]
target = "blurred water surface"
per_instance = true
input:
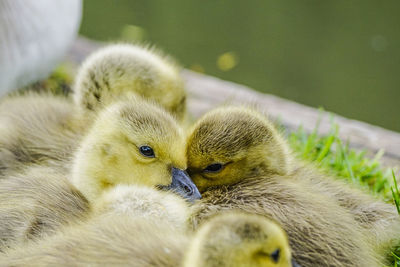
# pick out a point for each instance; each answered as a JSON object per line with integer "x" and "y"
{"x": 342, "y": 55}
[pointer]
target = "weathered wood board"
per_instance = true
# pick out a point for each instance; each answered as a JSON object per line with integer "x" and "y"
{"x": 206, "y": 92}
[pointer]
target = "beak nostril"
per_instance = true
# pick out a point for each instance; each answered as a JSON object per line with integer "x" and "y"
{"x": 187, "y": 189}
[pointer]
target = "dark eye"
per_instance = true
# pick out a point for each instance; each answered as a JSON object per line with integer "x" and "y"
{"x": 147, "y": 151}
{"x": 216, "y": 167}
{"x": 275, "y": 255}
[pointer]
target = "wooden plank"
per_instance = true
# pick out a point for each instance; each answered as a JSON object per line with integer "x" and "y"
{"x": 206, "y": 92}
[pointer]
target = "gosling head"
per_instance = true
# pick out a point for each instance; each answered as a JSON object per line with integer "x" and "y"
{"x": 119, "y": 70}
{"x": 230, "y": 144}
{"x": 239, "y": 239}
{"x": 132, "y": 142}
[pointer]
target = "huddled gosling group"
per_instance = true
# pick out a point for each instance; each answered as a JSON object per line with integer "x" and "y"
{"x": 115, "y": 176}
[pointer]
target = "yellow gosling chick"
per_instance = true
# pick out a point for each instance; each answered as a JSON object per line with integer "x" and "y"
{"x": 239, "y": 161}
{"x": 36, "y": 202}
{"x": 119, "y": 70}
{"x": 132, "y": 142}
{"x": 267, "y": 153}
{"x": 239, "y": 240}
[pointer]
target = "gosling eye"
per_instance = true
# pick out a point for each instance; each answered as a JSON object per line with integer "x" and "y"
{"x": 214, "y": 168}
{"x": 147, "y": 151}
{"x": 276, "y": 255}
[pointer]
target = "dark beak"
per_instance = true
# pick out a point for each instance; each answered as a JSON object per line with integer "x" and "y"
{"x": 295, "y": 264}
{"x": 183, "y": 185}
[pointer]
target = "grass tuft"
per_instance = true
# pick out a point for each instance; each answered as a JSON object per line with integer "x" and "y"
{"x": 334, "y": 156}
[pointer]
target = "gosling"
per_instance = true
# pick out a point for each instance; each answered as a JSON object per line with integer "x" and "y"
{"x": 237, "y": 239}
{"x": 118, "y": 70}
{"x": 239, "y": 161}
{"x": 132, "y": 142}
{"x": 270, "y": 154}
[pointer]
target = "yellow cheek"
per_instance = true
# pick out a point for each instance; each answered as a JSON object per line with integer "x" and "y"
{"x": 264, "y": 262}
{"x": 153, "y": 174}
{"x": 126, "y": 166}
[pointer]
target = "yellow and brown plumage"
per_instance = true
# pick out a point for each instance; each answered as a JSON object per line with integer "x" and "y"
{"x": 239, "y": 161}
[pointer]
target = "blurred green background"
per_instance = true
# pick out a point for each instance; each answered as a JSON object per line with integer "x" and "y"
{"x": 341, "y": 55}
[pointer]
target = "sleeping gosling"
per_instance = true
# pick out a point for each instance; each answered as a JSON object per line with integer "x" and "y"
{"x": 239, "y": 161}
{"x": 265, "y": 152}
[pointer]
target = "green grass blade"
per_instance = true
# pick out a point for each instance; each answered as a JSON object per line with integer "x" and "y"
{"x": 326, "y": 148}
{"x": 395, "y": 193}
